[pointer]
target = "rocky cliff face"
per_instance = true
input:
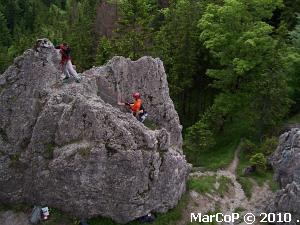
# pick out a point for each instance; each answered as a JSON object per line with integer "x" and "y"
{"x": 286, "y": 164}
{"x": 121, "y": 77}
{"x": 70, "y": 147}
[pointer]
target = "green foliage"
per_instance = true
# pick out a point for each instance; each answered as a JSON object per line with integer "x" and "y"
{"x": 151, "y": 124}
{"x": 85, "y": 152}
{"x": 56, "y": 26}
{"x": 288, "y": 14}
{"x": 273, "y": 184}
{"x": 252, "y": 82}
{"x": 206, "y": 184}
{"x": 203, "y": 184}
{"x": 259, "y": 160}
{"x": 134, "y": 33}
{"x": 247, "y": 186}
{"x": 58, "y": 217}
{"x": 260, "y": 176}
{"x": 14, "y": 160}
{"x": 22, "y": 22}
{"x": 185, "y": 58}
{"x": 222, "y": 154}
{"x": 295, "y": 34}
{"x": 225, "y": 183}
{"x": 48, "y": 154}
{"x": 248, "y": 146}
{"x": 4, "y": 41}
{"x": 198, "y": 139}
{"x": 294, "y": 69}
{"x": 81, "y": 34}
{"x": 104, "y": 51}
{"x": 268, "y": 146}
{"x": 239, "y": 210}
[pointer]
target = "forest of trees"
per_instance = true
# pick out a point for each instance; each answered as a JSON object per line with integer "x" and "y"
{"x": 228, "y": 61}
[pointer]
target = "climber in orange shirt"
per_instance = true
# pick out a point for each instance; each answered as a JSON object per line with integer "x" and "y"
{"x": 136, "y": 107}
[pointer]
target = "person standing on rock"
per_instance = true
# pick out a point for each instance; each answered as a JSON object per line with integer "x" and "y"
{"x": 66, "y": 63}
{"x": 136, "y": 107}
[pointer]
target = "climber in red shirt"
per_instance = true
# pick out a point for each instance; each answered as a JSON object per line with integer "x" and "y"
{"x": 66, "y": 63}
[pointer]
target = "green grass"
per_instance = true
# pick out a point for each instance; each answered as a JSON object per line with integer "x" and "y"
{"x": 151, "y": 124}
{"x": 225, "y": 183}
{"x": 204, "y": 184}
{"x": 221, "y": 155}
{"x": 274, "y": 185}
{"x": 259, "y": 176}
{"x": 168, "y": 218}
{"x": 58, "y": 217}
{"x": 239, "y": 210}
{"x": 48, "y": 154}
{"x": 294, "y": 119}
{"x": 247, "y": 185}
{"x": 85, "y": 152}
{"x": 14, "y": 160}
{"x": 218, "y": 157}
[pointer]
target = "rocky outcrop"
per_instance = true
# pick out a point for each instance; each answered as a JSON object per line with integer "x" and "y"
{"x": 70, "y": 147}
{"x": 286, "y": 164}
{"x": 121, "y": 77}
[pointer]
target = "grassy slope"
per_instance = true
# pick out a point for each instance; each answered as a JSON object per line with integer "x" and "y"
{"x": 260, "y": 177}
{"x": 221, "y": 155}
{"x": 206, "y": 184}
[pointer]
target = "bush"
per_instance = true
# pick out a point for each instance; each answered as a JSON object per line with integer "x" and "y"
{"x": 259, "y": 160}
{"x": 248, "y": 146}
{"x": 269, "y": 146}
{"x": 199, "y": 137}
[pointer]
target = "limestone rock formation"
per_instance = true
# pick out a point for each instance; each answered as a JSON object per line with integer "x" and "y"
{"x": 286, "y": 164}
{"x": 71, "y": 147}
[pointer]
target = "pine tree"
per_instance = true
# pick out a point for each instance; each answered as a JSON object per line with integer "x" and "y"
{"x": 5, "y": 40}
{"x": 185, "y": 58}
{"x": 81, "y": 34}
{"x": 294, "y": 70}
{"x": 133, "y": 37}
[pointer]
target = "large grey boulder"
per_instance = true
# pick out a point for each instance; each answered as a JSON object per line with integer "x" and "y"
{"x": 286, "y": 164}
{"x": 147, "y": 76}
{"x": 69, "y": 147}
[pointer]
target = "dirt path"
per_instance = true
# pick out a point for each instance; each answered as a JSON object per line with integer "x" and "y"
{"x": 233, "y": 200}
{"x": 233, "y": 165}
